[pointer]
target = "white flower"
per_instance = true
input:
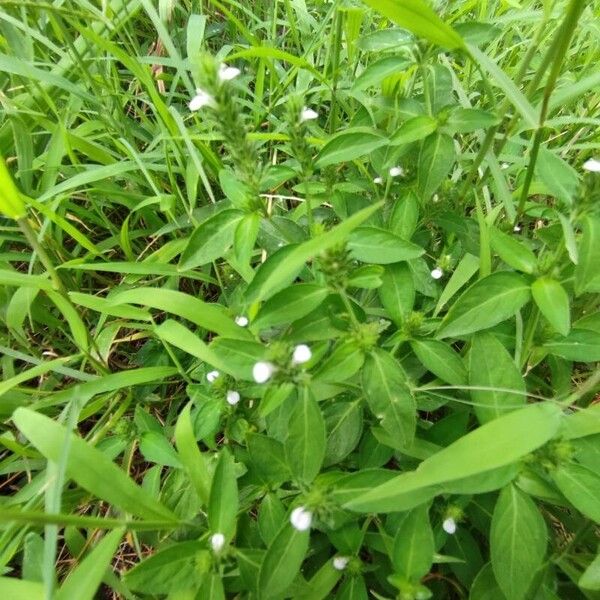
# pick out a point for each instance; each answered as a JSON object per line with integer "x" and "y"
{"x": 211, "y": 376}
{"x": 217, "y": 541}
{"x": 378, "y": 180}
{"x": 449, "y": 525}
{"x": 516, "y": 229}
{"x": 233, "y": 397}
{"x": 263, "y": 371}
{"x": 302, "y": 354}
{"x": 227, "y": 73}
{"x": 592, "y": 165}
{"x": 340, "y": 562}
{"x": 200, "y": 100}
{"x": 241, "y": 321}
{"x": 437, "y": 273}
{"x": 504, "y": 166}
{"x": 301, "y": 518}
{"x": 308, "y": 114}
{"x": 396, "y": 172}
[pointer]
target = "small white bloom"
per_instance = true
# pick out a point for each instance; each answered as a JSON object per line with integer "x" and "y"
{"x": 263, "y": 371}
{"x": 516, "y": 229}
{"x": 504, "y": 166}
{"x": 396, "y": 172}
{"x": 340, "y": 562}
{"x": 437, "y": 273}
{"x": 449, "y": 525}
{"x": 211, "y": 376}
{"x": 592, "y": 165}
{"x": 217, "y": 541}
{"x": 227, "y": 73}
{"x": 436, "y": 198}
{"x": 301, "y": 518}
{"x": 233, "y": 397}
{"x": 378, "y": 180}
{"x": 308, "y": 114}
{"x": 200, "y": 100}
{"x": 302, "y": 354}
{"x": 241, "y": 321}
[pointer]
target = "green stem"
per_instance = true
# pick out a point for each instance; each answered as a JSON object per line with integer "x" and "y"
{"x": 58, "y": 284}
{"x": 560, "y": 46}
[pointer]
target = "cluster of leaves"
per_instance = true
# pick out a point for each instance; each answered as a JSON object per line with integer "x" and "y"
{"x": 332, "y": 335}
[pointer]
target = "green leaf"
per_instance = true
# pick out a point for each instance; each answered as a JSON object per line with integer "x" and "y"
{"x": 413, "y": 130}
{"x": 580, "y": 345}
{"x": 345, "y": 360}
{"x": 271, "y": 516}
{"x": 223, "y": 502}
{"x": 590, "y": 579}
{"x": 176, "y": 567}
{"x": 492, "y": 367}
{"x": 485, "y": 586}
{"x": 405, "y": 216}
{"x": 210, "y": 316}
{"x": 581, "y": 487}
{"x": 344, "y": 428}
{"x": 412, "y": 554}
{"x": 436, "y": 160}
{"x": 19, "y": 589}
{"x": 512, "y": 251}
{"x": 89, "y": 467}
{"x": 181, "y": 337}
{"x": 290, "y": 304}
{"x": 397, "y": 292}
{"x": 441, "y": 360}
{"x": 561, "y": 179}
{"x": 348, "y": 145}
{"x": 553, "y": 302}
{"x": 587, "y": 274}
{"x": 379, "y": 70}
{"x": 466, "y": 268}
{"x": 388, "y": 395}
{"x": 517, "y": 98}
{"x": 321, "y": 583}
{"x": 375, "y": 245}
{"x": 495, "y": 444}
{"x": 210, "y": 239}
{"x": 280, "y": 269}
{"x": 192, "y": 459}
{"x": 156, "y": 448}
{"x": 306, "y": 439}
{"x": 245, "y": 237}
{"x": 267, "y": 456}
{"x": 466, "y": 120}
{"x": 484, "y": 304}
{"x": 516, "y": 520}
{"x": 418, "y": 17}
{"x": 83, "y": 582}
{"x": 282, "y": 561}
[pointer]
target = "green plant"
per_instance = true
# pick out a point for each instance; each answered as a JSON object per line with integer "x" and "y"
{"x": 299, "y": 300}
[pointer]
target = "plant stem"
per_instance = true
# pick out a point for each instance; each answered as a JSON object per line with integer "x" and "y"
{"x": 562, "y": 42}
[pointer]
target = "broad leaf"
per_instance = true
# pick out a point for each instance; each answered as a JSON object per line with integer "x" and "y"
{"x": 581, "y": 487}
{"x": 553, "y": 302}
{"x": 436, "y": 160}
{"x": 500, "y": 442}
{"x": 493, "y": 370}
{"x": 412, "y": 554}
{"x": 348, "y": 145}
{"x": 518, "y": 541}
{"x": 305, "y": 443}
{"x": 486, "y": 303}
{"x": 389, "y": 397}
{"x": 374, "y": 245}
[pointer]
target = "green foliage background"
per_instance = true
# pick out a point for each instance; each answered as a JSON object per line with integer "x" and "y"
{"x": 333, "y": 335}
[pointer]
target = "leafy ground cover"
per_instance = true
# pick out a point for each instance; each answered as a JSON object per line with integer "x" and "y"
{"x": 299, "y": 299}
